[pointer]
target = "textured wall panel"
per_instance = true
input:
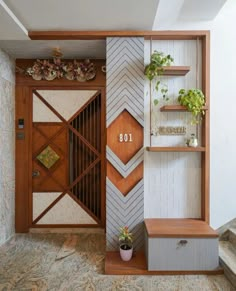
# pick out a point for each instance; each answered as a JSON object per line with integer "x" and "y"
{"x": 124, "y": 210}
{"x": 7, "y": 147}
{"x": 125, "y": 64}
{"x": 172, "y": 180}
{"x": 125, "y": 91}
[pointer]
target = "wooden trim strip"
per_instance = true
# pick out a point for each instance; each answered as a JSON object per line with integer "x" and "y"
{"x": 66, "y": 226}
{"x": 103, "y": 140}
{"x": 177, "y": 108}
{"x": 175, "y": 149}
{"x": 205, "y": 161}
{"x": 96, "y": 35}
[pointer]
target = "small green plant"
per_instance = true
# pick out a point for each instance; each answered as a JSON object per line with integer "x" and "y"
{"x": 194, "y": 100}
{"x": 125, "y": 238}
{"x": 155, "y": 69}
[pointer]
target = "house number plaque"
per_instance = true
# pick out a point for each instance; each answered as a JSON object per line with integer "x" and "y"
{"x": 125, "y": 137}
{"x": 172, "y": 130}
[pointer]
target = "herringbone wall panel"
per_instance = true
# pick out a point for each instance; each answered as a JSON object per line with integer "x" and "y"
{"x": 125, "y": 91}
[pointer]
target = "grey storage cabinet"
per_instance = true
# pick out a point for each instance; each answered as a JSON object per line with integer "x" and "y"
{"x": 180, "y": 245}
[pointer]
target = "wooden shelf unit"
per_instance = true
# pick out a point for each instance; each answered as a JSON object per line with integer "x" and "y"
{"x": 176, "y": 108}
{"x": 175, "y": 149}
{"x": 205, "y": 125}
{"x": 175, "y": 70}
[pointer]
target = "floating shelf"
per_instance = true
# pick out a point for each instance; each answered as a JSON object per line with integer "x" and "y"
{"x": 176, "y": 108}
{"x": 175, "y": 149}
{"x": 175, "y": 70}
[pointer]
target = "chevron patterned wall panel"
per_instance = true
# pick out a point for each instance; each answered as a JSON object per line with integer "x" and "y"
{"x": 125, "y": 120}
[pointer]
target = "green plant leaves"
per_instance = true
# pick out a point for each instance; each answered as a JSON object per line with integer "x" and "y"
{"x": 155, "y": 69}
{"x": 194, "y": 100}
{"x": 155, "y": 101}
{"x": 125, "y": 235}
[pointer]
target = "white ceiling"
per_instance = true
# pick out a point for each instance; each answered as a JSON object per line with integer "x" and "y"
{"x": 10, "y": 27}
{"x": 170, "y": 12}
{"x": 80, "y": 49}
{"x": 85, "y": 14}
{"x": 18, "y": 17}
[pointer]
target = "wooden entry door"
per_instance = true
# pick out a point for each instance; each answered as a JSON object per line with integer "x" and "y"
{"x": 67, "y": 158}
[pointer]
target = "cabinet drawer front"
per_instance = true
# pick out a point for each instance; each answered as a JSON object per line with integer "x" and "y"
{"x": 182, "y": 254}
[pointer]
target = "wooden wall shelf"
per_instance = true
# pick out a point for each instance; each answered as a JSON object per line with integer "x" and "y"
{"x": 176, "y": 108}
{"x": 176, "y": 70}
{"x": 175, "y": 149}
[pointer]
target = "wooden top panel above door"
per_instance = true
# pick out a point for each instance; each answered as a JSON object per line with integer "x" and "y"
{"x": 22, "y": 79}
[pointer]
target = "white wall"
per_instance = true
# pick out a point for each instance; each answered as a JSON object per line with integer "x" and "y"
{"x": 172, "y": 181}
{"x": 7, "y": 147}
{"x": 223, "y": 104}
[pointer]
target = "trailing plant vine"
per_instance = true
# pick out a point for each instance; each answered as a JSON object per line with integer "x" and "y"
{"x": 155, "y": 69}
{"x": 194, "y": 100}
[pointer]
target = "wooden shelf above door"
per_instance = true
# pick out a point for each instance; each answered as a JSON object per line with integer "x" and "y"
{"x": 175, "y": 149}
{"x": 176, "y": 108}
{"x": 175, "y": 70}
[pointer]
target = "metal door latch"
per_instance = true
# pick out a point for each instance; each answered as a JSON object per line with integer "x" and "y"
{"x": 36, "y": 173}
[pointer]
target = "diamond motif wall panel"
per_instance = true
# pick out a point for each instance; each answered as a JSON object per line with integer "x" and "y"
{"x": 124, "y": 120}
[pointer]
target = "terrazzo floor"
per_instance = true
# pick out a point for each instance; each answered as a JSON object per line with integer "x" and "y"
{"x": 76, "y": 262}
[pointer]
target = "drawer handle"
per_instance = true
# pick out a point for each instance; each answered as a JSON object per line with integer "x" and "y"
{"x": 182, "y": 242}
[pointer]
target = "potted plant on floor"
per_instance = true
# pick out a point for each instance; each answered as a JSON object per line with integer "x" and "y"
{"x": 126, "y": 240}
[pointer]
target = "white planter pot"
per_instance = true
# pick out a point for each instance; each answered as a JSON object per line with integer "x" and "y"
{"x": 126, "y": 255}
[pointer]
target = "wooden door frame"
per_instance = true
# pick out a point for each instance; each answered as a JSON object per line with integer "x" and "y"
{"x": 24, "y": 89}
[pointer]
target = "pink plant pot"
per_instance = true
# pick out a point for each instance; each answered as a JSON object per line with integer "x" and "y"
{"x": 126, "y": 255}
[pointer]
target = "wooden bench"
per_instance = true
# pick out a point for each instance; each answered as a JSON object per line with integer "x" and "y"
{"x": 180, "y": 245}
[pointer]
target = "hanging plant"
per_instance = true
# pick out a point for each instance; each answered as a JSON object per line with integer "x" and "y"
{"x": 194, "y": 100}
{"x": 155, "y": 69}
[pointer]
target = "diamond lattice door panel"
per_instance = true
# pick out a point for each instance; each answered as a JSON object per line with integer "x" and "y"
{"x": 66, "y": 160}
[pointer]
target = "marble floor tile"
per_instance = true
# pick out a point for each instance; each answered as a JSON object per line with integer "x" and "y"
{"x": 62, "y": 262}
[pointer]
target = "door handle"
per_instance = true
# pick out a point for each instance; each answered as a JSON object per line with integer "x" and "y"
{"x": 182, "y": 243}
{"x": 36, "y": 173}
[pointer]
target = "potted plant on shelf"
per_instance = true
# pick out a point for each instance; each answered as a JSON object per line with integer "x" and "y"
{"x": 194, "y": 101}
{"x": 155, "y": 69}
{"x": 126, "y": 240}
